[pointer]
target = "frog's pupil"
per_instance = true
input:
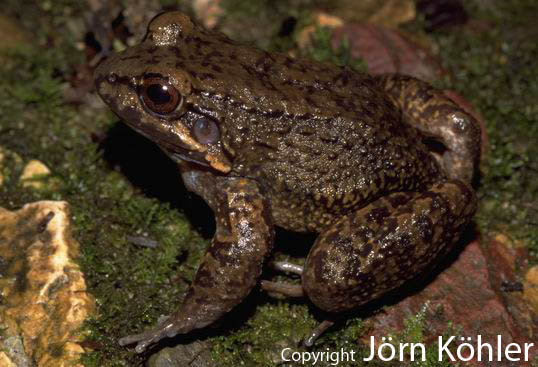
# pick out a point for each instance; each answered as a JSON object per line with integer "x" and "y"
{"x": 158, "y": 94}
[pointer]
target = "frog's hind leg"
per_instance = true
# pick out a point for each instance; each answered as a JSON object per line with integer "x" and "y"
{"x": 377, "y": 248}
{"x": 434, "y": 114}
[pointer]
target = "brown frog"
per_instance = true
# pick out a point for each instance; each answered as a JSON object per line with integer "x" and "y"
{"x": 269, "y": 140}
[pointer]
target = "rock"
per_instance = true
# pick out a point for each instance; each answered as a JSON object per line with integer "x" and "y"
{"x": 463, "y": 296}
{"x": 31, "y": 174}
{"x": 207, "y": 12}
{"x": 320, "y": 19}
{"x": 42, "y": 291}
{"x": 195, "y": 354}
{"x": 5, "y": 361}
{"x": 389, "y": 13}
{"x": 503, "y": 258}
{"x": 530, "y": 287}
{"x": 392, "y": 13}
{"x": 388, "y": 51}
{"x": 304, "y": 38}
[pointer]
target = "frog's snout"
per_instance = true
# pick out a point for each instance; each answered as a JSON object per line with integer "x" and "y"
{"x": 102, "y": 73}
{"x": 106, "y": 80}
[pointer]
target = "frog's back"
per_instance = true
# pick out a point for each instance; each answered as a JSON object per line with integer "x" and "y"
{"x": 321, "y": 139}
{"x": 320, "y": 169}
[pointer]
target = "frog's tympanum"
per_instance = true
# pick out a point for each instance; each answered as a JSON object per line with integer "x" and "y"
{"x": 268, "y": 140}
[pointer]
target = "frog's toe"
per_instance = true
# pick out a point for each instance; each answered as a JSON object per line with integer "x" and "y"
{"x": 287, "y": 267}
{"x": 289, "y": 290}
{"x": 317, "y": 332}
{"x": 147, "y": 338}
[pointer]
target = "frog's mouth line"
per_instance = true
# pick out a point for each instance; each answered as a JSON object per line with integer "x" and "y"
{"x": 175, "y": 151}
{"x": 178, "y": 158}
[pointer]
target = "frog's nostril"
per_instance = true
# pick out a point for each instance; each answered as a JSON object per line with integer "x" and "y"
{"x": 112, "y": 77}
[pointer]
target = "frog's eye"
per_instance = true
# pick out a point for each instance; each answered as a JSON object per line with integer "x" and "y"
{"x": 205, "y": 131}
{"x": 159, "y": 96}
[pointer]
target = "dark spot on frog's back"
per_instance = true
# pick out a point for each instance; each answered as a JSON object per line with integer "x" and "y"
{"x": 378, "y": 215}
{"x": 342, "y": 78}
{"x": 288, "y": 62}
{"x": 464, "y": 189}
{"x": 216, "y": 68}
{"x": 366, "y": 249}
{"x": 310, "y": 101}
{"x": 203, "y": 278}
{"x": 177, "y": 52}
{"x": 219, "y": 250}
{"x": 397, "y": 200}
{"x": 204, "y": 76}
{"x": 133, "y": 57}
{"x": 275, "y": 114}
{"x": 320, "y": 258}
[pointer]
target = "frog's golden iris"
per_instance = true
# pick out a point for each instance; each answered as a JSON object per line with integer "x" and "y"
{"x": 158, "y": 95}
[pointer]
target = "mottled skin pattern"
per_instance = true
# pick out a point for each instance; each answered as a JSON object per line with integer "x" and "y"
{"x": 305, "y": 146}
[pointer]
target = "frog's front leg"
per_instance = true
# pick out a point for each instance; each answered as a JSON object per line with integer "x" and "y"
{"x": 430, "y": 111}
{"x": 376, "y": 249}
{"x": 232, "y": 264}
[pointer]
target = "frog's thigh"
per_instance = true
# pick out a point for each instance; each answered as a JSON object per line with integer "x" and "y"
{"x": 433, "y": 113}
{"x": 369, "y": 252}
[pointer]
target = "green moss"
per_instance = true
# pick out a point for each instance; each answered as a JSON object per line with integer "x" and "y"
{"x": 321, "y": 50}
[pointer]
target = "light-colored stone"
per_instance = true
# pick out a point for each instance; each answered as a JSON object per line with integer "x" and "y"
{"x": 44, "y": 292}
{"x": 388, "y": 13}
{"x": 207, "y": 12}
{"x": 32, "y": 172}
{"x": 530, "y": 287}
{"x": 321, "y": 19}
{"x": 5, "y": 361}
{"x": 2, "y": 159}
{"x": 392, "y": 13}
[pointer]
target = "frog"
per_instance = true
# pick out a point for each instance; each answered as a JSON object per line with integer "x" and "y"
{"x": 379, "y": 167}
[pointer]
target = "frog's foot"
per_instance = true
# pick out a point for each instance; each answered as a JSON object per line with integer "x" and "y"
{"x": 369, "y": 252}
{"x": 317, "y": 332}
{"x": 289, "y": 290}
{"x": 165, "y": 330}
{"x": 287, "y": 267}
